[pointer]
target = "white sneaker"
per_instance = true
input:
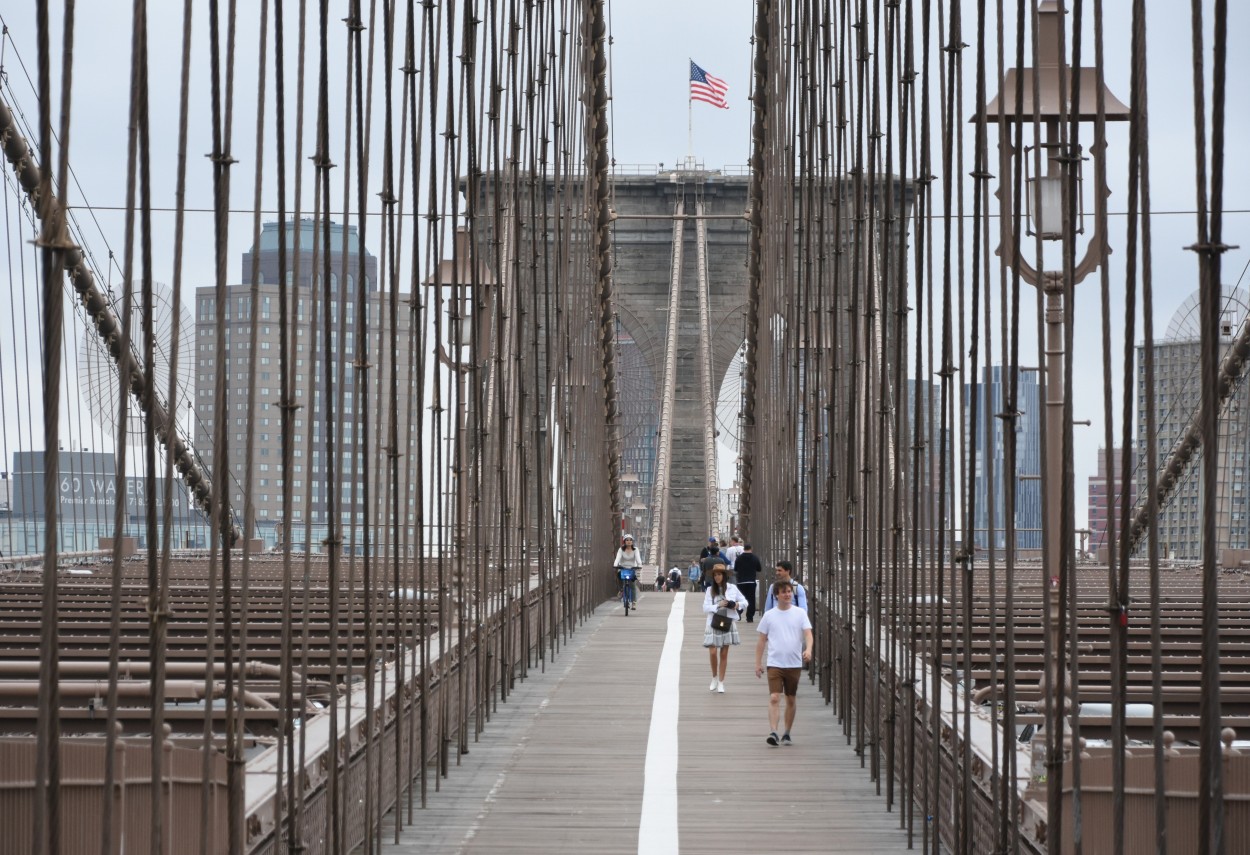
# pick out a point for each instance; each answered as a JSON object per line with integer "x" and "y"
{"x": 720, "y": 687}
{"x": 714, "y": 684}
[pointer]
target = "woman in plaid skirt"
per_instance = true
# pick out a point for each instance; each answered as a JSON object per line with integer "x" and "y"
{"x": 724, "y": 597}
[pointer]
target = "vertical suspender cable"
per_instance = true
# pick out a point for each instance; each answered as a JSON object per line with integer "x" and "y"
{"x": 340, "y": 447}
{"x": 1209, "y": 248}
{"x": 236, "y": 721}
{"x": 288, "y": 808}
{"x": 974, "y": 401}
{"x": 132, "y": 154}
{"x": 921, "y": 448}
{"x": 1069, "y": 599}
{"x": 388, "y": 390}
{"x": 46, "y": 829}
{"x": 1139, "y": 176}
{"x": 898, "y": 476}
{"x": 331, "y": 484}
{"x": 414, "y": 434}
{"x": 222, "y": 524}
{"x": 158, "y": 583}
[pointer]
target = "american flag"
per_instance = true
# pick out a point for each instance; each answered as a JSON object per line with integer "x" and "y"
{"x": 706, "y": 87}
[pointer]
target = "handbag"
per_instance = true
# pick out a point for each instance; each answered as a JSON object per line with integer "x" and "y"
{"x": 722, "y": 622}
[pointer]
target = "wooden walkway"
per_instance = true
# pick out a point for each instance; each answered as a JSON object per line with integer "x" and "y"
{"x": 561, "y": 767}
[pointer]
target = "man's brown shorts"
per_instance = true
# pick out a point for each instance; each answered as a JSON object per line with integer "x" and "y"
{"x": 784, "y": 678}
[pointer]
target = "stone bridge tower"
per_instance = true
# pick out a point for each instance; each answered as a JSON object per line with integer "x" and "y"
{"x": 646, "y": 226}
{"x": 660, "y": 220}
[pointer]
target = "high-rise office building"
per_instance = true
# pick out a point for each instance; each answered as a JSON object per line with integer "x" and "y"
{"x": 1178, "y": 394}
{"x": 309, "y": 349}
{"x": 1101, "y": 503}
{"x": 989, "y": 514}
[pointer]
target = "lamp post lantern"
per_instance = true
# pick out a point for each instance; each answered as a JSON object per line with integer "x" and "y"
{"x": 1047, "y": 210}
{"x": 464, "y": 291}
{"x": 639, "y": 512}
{"x": 628, "y": 482}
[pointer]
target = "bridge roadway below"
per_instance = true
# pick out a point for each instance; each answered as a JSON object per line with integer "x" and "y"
{"x": 623, "y": 718}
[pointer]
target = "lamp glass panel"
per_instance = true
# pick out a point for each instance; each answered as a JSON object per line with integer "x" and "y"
{"x": 457, "y": 301}
{"x": 1048, "y": 206}
{"x": 466, "y": 319}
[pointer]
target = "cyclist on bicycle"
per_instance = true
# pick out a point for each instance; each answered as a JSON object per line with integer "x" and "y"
{"x": 628, "y": 557}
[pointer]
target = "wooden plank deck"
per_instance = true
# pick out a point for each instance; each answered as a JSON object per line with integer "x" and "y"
{"x": 561, "y": 767}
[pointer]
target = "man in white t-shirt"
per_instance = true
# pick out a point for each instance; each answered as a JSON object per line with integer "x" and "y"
{"x": 734, "y": 550}
{"x": 786, "y": 633}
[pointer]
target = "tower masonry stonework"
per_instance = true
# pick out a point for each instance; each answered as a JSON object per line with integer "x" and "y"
{"x": 649, "y": 211}
{"x": 643, "y": 242}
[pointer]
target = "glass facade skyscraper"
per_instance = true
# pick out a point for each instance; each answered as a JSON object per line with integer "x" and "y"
{"x": 990, "y": 477}
{"x": 1178, "y": 395}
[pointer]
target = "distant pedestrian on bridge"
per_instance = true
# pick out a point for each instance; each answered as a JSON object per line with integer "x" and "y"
{"x": 786, "y": 633}
{"x": 712, "y": 549}
{"x": 711, "y": 555}
{"x": 747, "y": 570}
{"x": 732, "y": 553}
{"x": 784, "y": 572}
{"x": 721, "y": 597}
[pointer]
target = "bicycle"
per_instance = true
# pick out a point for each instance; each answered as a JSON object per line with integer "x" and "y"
{"x": 627, "y": 576}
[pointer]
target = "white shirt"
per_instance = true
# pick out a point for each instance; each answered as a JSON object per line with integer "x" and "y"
{"x": 732, "y": 553}
{"x": 628, "y": 559}
{"x": 785, "y": 630}
{"x": 731, "y": 593}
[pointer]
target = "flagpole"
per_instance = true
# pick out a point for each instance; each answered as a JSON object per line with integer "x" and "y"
{"x": 689, "y": 122}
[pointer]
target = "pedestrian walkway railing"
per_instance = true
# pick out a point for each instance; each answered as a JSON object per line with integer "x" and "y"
{"x": 383, "y": 746}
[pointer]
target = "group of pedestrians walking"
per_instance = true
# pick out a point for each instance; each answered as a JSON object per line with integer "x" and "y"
{"x": 729, "y": 578}
{"x": 784, "y": 634}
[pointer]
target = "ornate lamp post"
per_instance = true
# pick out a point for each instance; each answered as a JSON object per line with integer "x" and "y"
{"x": 1047, "y": 218}
{"x": 465, "y": 295}
{"x": 639, "y": 512}
{"x": 628, "y": 482}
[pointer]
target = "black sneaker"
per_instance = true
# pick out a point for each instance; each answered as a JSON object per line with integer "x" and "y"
{"x": 772, "y": 738}
{"x": 785, "y": 740}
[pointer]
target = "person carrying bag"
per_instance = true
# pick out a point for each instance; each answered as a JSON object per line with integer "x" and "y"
{"x": 723, "y": 604}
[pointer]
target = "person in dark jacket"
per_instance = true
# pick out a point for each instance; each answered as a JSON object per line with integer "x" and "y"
{"x": 705, "y": 566}
{"x": 747, "y": 570}
{"x": 709, "y": 558}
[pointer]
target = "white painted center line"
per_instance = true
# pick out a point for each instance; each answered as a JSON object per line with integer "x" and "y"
{"x": 657, "y": 828}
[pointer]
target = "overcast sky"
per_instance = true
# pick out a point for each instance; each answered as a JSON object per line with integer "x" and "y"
{"x": 652, "y": 44}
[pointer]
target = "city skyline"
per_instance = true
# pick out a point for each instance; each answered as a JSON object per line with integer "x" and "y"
{"x": 648, "y": 125}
